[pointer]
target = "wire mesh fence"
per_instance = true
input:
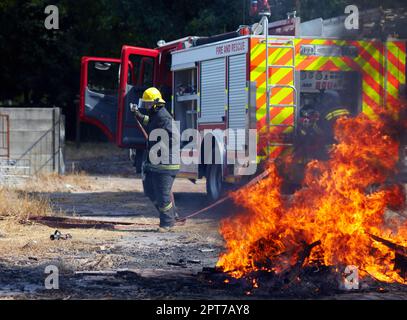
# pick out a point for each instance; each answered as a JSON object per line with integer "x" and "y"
{"x": 25, "y": 152}
{"x": 4, "y": 136}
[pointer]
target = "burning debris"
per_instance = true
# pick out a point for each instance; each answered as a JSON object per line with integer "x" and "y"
{"x": 335, "y": 220}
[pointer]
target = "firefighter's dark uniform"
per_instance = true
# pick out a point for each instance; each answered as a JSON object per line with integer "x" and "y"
{"x": 329, "y": 109}
{"x": 159, "y": 178}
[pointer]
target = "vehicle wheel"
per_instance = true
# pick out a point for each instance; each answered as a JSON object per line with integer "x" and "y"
{"x": 214, "y": 183}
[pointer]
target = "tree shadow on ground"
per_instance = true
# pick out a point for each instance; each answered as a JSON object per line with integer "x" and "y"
{"x": 131, "y": 204}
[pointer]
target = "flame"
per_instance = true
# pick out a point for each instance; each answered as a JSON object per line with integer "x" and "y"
{"x": 333, "y": 207}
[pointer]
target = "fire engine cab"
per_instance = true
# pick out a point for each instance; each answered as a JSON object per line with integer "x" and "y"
{"x": 259, "y": 77}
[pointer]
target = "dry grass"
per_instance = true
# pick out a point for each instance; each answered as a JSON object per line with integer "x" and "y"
{"x": 19, "y": 206}
{"x": 53, "y": 182}
{"x": 20, "y": 239}
{"x": 92, "y": 150}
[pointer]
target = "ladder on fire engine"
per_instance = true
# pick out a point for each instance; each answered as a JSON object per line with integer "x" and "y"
{"x": 284, "y": 44}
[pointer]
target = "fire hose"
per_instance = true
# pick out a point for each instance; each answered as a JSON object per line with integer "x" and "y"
{"x": 134, "y": 108}
{"x": 221, "y": 200}
{"x": 181, "y": 220}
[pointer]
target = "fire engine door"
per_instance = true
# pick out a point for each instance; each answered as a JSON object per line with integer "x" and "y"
{"x": 143, "y": 64}
{"x": 99, "y": 93}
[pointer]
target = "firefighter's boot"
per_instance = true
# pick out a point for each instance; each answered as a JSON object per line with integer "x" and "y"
{"x": 167, "y": 215}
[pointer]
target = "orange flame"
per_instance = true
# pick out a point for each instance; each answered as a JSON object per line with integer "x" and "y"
{"x": 333, "y": 206}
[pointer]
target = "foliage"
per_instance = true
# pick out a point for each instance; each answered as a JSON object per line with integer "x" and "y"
{"x": 42, "y": 67}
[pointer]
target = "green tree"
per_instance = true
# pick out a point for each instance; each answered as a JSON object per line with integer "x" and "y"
{"x": 42, "y": 67}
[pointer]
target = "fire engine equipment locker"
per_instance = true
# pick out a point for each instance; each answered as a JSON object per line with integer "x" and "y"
{"x": 213, "y": 91}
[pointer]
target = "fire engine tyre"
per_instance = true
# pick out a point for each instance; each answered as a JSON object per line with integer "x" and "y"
{"x": 214, "y": 183}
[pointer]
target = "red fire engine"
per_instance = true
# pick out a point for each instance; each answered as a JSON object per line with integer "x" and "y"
{"x": 258, "y": 77}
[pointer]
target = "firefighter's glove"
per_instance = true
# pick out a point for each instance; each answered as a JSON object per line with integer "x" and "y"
{"x": 134, "y": 108}
{"x": 142, "y": 118}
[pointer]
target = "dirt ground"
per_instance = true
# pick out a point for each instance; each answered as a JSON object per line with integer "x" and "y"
{"x": 135, "y": 264}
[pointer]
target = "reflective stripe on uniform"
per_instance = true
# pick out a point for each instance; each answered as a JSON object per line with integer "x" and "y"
{"x": 165, "y": 208}
{"x": 165, "y": 166}
{"x": 337, "y": 113}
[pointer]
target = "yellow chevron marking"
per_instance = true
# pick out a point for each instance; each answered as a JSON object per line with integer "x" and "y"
{"x": 261, "y": 68}
{"x": 341, "y": 64}
{"x": 367, "y": 110}
{"x": 258, "y": 49}
{"x": 391, "y": 68}
{"x": 318, "y": 41}
{"x": 278, "y": 54}
{"x": 275, "y": 76}
{"x": 375, "y": 96}
{"x": 376, "y": 54}
{"x": 399, "y": 54}
{"x": 261, "y": 112}
{"x": 391, "y": 90}
{"x": 316, "y": 64}
{"x": 282, "y": 94}
{"x": 367, "y": 67}
{"x": 340, "y": 42}
{"x": 261, "y": 49}
{"x": 282, "y": 115}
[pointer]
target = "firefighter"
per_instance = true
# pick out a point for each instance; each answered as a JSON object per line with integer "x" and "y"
{"x": 328, "y": 109}
{"x": 159, "y": 178}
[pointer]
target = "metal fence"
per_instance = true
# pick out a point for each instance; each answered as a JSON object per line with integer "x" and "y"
{"x": 45, "y": 154}
{"x": 4, "y": 136}
{"x": 10, "y": 171}
{"x": 31, "y": 143}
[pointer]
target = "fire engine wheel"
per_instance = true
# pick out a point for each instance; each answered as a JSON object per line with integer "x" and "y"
{"x": 214, "y": 183}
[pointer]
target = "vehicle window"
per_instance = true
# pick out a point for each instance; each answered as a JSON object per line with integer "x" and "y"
{"x": 148, "y": 71}
{"x": 103, "y": 77}
{"x": 142, "y": 70}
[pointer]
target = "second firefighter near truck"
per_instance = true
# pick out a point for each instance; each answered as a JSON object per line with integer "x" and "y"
{"x": 159, "y": 175}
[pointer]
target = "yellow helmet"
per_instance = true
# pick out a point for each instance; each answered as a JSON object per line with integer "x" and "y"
{"x": 153, "y": 95}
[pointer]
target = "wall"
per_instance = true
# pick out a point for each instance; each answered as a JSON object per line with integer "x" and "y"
{"x": 37, "y": 138}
